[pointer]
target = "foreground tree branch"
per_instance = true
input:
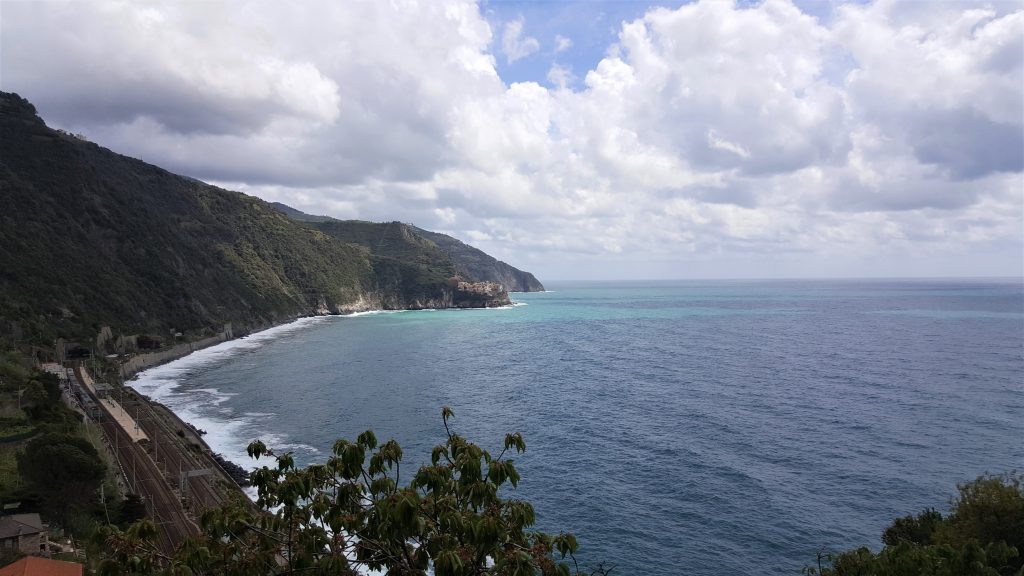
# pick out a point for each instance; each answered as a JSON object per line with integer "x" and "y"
{"x": 350, "y": 514}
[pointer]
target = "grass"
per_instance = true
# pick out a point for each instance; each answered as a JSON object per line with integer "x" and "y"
{"x": 10, "y": 480}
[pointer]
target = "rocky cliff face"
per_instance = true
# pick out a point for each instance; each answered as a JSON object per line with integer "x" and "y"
{"x": 478, "y": 294}
{"x": 456, "y": 294}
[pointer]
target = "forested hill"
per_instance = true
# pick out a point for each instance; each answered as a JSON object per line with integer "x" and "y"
{"x": 89, "y": 238}
{"x": 475, "y": 263}
{"x": 470, "y": 263}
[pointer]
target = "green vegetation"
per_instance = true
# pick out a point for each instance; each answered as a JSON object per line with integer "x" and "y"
{"x": 29, "y": 401}
{"x": 10, "y": 479}
{"x": 64, "y": 469}
{"x": 473, "y": 263}
{"x": 434, "y": 256}
{"x": 49, "y": 461}
{"x": 90, "y": 238}
{"x": 404, "y": 263}
{"x": 351, "y": 513}
{"x": 983, "y": 535}
{"x": 394, "y": 239}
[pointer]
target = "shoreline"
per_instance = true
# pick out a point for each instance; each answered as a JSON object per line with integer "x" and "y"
{"x": 177, "y": 415}
{"x": 185, "y": 349}
{"x": 129, "y": 370}
{"x": 155, "y": 389}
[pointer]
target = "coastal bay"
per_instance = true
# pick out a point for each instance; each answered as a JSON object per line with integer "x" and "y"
{"x": 698, "y": 424}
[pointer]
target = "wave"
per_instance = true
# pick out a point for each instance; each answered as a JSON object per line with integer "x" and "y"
{"x": 377, "y": 312}
{"x": 227, "y": 432}
{"x": 162, "y": 380}
{"x": 514, "y": 304}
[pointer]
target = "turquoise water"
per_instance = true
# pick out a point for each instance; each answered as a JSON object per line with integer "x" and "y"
{"x": 677, "y": 428}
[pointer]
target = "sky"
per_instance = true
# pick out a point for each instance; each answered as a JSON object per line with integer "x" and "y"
{"x": 577, "y": 140}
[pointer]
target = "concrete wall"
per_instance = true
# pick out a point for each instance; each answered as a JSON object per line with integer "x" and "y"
{"x": 140, "y": 362}
{"x": 26, "y": 544}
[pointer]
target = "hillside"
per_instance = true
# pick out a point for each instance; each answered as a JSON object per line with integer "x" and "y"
{"x": 89, "y": 237}
{"x": 470, "y": 263}
{"x": 482, "y": 267}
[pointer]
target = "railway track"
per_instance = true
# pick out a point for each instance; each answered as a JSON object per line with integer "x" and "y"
{"x": 146, "y": 480}
{"x": 153, "y": 468}
{"x": 177, "y": 450}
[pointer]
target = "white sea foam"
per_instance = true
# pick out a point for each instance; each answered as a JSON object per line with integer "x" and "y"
{"x": 226, "y": 432}
{"x": 159, "y": 382}
{"x": 377, "y": 312}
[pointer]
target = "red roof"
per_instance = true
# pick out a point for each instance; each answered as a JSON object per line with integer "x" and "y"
{"x": 35, "y": 566}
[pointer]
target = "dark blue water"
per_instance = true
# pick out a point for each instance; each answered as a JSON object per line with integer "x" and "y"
{"x": 677, "y": 428}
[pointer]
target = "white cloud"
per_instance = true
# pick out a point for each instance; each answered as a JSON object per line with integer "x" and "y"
{"x": 562, "y": 43}
{"x": 953, "y": 91}
{"x": 560, "y": 76}
{"x": 709, "y": 140}
{"x": 718, "y": 143}
{"x": 513, "y": 45}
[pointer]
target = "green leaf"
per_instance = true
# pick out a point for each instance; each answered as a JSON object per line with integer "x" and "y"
{"x": 367, "y": 439}
{"x": 256, "y": 449}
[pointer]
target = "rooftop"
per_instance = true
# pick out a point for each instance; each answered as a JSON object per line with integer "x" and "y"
{"x": 20, "y": 525}
{"x": 35, "y": 566}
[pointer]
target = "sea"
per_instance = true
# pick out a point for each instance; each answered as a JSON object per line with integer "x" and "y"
{"x": 676, "y": 428}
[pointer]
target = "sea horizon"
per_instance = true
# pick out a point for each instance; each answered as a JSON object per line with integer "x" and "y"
{"x": 779, "y": 278}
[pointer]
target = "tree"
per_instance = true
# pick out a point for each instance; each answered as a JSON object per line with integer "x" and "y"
{"x": 64, "y": 469}
{"x": 982, "y": 536}
{"x": 913, "y": 529}
{"x": 990, "y": 509}
{"x": 351, "y": 513}
{"x": 129, "y": 552}
{"x": 131, "y": 510}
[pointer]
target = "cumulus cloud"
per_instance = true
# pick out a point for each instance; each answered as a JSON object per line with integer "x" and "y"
{"x": 513, "y": 45}
{"x": 252, "y": 92}
{"x": 560, "y": 76}
{"x": 710, "y": 139}
{"x": 952, "y": 90}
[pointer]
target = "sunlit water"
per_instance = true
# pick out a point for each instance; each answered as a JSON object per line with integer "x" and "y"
{"x": 697, "y": 428}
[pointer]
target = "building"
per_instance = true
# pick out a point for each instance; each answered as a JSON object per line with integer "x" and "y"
{"x": 104, "y": 390}
{"x": 35, "y": 566}
{"x": 23, "y": 532}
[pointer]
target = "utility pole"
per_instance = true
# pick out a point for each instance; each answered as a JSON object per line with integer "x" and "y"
{"x": 103, "y": 498}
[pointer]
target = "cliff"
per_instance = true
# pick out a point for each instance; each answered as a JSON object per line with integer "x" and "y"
{"x": 90, "y": 238}
{"x": 473, "y": 263}
{"x": 397, "y": 239}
